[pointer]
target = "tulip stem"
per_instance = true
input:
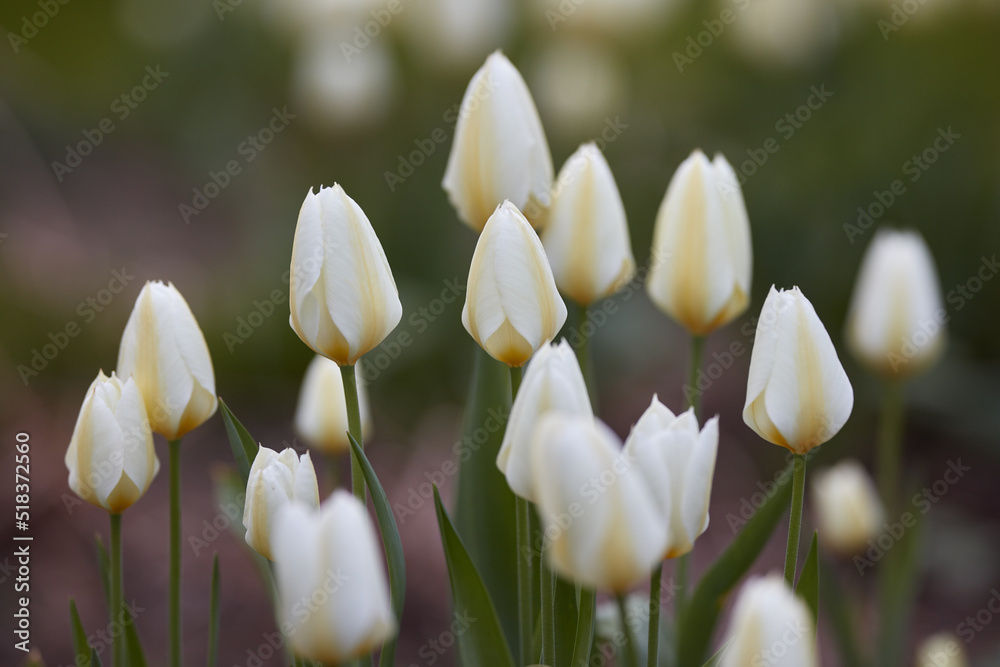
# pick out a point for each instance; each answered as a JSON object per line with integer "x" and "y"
{"x": 175, "y": 552}
{"x": 526, "y": 622}
{"x": 583, "y": 353}
{"x": 628, "y": 656}
{"x": 795, "y": 522}
{"x": 354, "y": 427}
{"x": 548, "y": 583}
{"x": 890, "y": 445}
{"x": 693, "y": 393}
{"x": 116, "y": 589}
{"x": 655, "y": 581}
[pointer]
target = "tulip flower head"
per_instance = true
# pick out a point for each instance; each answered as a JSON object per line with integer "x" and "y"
{"x": 275, "y": 480}
{"x": 941, "y": 650}
{"x": 343, "y": 299}
{"x": 321, "y": 415}
{"x": 586, "y": 235}
{"x": 848, "y": 509}
{"x": 770, "y": 625}
{"x": 512, "y": 306}
{"x": 110, "y": 458}
{"x": 702, "y": 255}
{"x": 164, "y": 351}
{"x": 798, "y": 394}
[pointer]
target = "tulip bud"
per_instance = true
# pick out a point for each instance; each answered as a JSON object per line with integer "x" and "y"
{"x": 165, "y": 352}
{"x": 602, "y": 526}
{"x": 895, "y": 324}
{"x": 770, "y": 625}
{"x": 702, "y": 257}
{"x": 586, "y": 234}
{"x": 499, "y": 151}
{"x": 275, "y": 480}
{"x": 110, "y": 458}
{"x": 798, "y": 395}
{"x": 512, "y": 305}
{"x": 321, "y": 416}
{"x": 678, "y": 462}
{"x": 847, "y": 506}
{"x": 552, "y": 383}
{"x": 331, "y": 560}
{"x": 941, "y": 650}
{"x": 343, "y": 299}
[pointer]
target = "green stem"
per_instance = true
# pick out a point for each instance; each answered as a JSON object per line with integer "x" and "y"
{"x": 795, "y": 522}
{"x": 515, "y": 381}
{"x": 583, "y": 353}
{"x": 354, "y": 427}
{"x": 890, "y": 445}
{"x": 680, "y": 583}
{"x": 587, "y": 604}
{"x": 628, "y": 655}
{"x": 175, "y": 552}
{"x": 653, "y": 652}
{"x": 526, "y": 623}
{"x": 116, "y": 589}
{"x": 694, "y": 394}
{"x": 548, "y": 583}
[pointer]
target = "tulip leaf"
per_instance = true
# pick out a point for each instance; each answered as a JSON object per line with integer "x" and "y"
{"x": 81, "y": 649}
{"x": 584, "y": 627}
{"x": 390, "y": 541}
{"x": 565, "y": 621}
{"x": 483, "y": 644}
{"x": 242, "y": 443}
{"x": 842, "y": 616}
{"x": 702, "y": 611}
{"x": 213, "y": 613}
{"x": 808, "y": 585}
{"x": 95, "y": 660}
{"x": 717, "y": 658}
{"x": 104, "y": 565}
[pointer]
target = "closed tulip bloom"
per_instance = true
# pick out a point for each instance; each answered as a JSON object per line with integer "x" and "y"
{"x": 275, "y": 480}
{"x": 110, "y": 458}
{"x": 164, "y": 350}
{"x": 332, "y": 560}
{"x": 552, "y": 383}
{"x": 499, "y": 151}
{"x": 678, "y": 460}
{"x": 602, "y": 526}
{"x": 798, "y": 395}
{"x": 847, "y": 506}
{"x": 895, "y": 324}
{"x": 586, "y": 234}
{"x": 512, "y": 306}
{"x": 941, "y": 650}
{"x": 321, "y": 415}
{"x": 702, "y": 256}
{"x": 770, "y": 625}
{"x": 343, "y": 299}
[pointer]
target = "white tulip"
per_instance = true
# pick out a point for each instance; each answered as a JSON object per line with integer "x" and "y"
{"x": 343, "y": 299}
{"x": 702, "y": 256}
{"x": 331, "y": 584}
{"x": 110, "y": 458}
{"x": 895, "y": 325}
{"x": 602, "y": 526}
{"x": 321, "y": 415}
{"x": 552, "y": 382}
{"x": 798, "y": 395}
{"x": 512, "y": 306}
{"x": 770, "y": 625}
{"x": 586, "y": 234}
{"x": 164, "y": 350}
{"x": 275, "y": 480}
{"x": 847, "y": 506}
{"x": 678, "y": 461}
{"x": 499, "y": 151}
{"x": 941, "y": 650}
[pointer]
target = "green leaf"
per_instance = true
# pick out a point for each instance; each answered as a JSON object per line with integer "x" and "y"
{"x": 584, "y": 627}
{"x": 483, "y": 644}
{"x": 390, "y": 541}
{"x": 213, "y": 613}
{"x": 808, "y": 586}
{"x": 717, "y": 658}
{"x": 843, "y": 616}
{"x": 104, "y": 567}
{"x": 80, "y": 646}
{"x": 703, "y": 609}
{"x": 134, "y": 655}
{"x": 240, "y": 441}
{"x": 95, "y": 660}
{"x": 565, "y": 621}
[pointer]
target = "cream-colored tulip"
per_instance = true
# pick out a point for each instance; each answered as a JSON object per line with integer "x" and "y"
{"x": 164, "y": 350}
{"x": 275, "y": 480}
{"x": 321, "y": 416}
{"x": 847, "y": 506}
{"x": 499, "y": 151}
{"x": 798, "y": 395}
{"x": 702, "y": 256}
{"x": 586, "y": 234}
{"x": 331, "y": 584}
{"x": 678, "y": 461}
{"x": 552, "y": 382}
{"x": 770, "y": 625}
{"x": 343, "y": 299}
{"x": 602, "y": 526}
{"x": 941, "y": 650}
{"x": 895, "y": 325}
{"x": 512, "y": 306}
{"x": 110, "y": 458}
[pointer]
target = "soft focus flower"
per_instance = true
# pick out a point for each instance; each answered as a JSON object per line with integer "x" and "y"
{"x": 895, "y": 325}
{"x": 678, "y": 461}
{"x": 321, "y": 416}
{"x": 331, "y": 560}
{"x": 110, "y": 458}
{"x": 343, "y": 299}
{"x": 499, "y": 151}
{"x": 586, "y": 234}
{"x": 702, "y": 256}
{"x": 786, "y": 33}
{"x": 847, "y": 506}
{"x": 512, "y": 306}
{"x": 798, "y": 395}
{"x": 275, "y": 480}
{"x": 627, "y": 19}
{"x": 452, "y": 33}
{"x": 941, "y": 650}
{"x": 602, "y": 526}
{"x": 552, "y": 382}
{"x": 770, "y": 625}
{"x": 164, "y": 351}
